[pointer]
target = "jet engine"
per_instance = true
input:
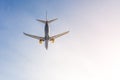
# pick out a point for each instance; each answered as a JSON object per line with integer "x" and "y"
{"x": 52, "y": 40}
{"x": 40, "y": 41}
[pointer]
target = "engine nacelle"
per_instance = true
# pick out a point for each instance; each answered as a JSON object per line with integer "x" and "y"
{"x": 40, "y": 41}
{"x": 52, "y": 40}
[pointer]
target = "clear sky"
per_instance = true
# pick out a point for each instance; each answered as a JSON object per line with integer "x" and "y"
{"x": 91, "y": 51}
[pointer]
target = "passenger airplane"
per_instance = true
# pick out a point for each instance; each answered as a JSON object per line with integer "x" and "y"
{"x": 46, "y": 38}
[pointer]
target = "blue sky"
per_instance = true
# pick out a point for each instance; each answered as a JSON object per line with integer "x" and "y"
{"x": 90, "y": 51}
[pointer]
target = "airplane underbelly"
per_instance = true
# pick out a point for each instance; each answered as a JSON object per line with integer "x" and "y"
{"x": 46, "y": 44}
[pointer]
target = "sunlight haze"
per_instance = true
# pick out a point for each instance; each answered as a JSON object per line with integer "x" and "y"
{"x": 91, "y": 51}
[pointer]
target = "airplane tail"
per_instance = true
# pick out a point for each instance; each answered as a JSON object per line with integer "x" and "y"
{"x": 48, "y": 21}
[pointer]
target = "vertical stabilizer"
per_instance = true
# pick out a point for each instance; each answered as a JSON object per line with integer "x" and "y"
{"x": 46, "y": 15}
{"x": 44, "y": 21}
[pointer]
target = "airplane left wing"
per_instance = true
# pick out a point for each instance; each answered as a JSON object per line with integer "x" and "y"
{"x": 33, "y": 36}
{"x": 58, "y": 35}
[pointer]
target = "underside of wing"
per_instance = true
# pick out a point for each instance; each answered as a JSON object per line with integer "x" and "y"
{"x": 33, "y": 36}
{"x": 58, "y": 35}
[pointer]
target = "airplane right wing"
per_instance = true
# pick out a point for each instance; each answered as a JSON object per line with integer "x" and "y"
{"x": 58, "y": 35}
{"x": 33, "y": 36}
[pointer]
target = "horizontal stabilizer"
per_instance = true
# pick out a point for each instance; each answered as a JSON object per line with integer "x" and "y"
{"x": 49, "y": 21}
{"x": 52, "y": 20}
{"x": 41, "y": 21}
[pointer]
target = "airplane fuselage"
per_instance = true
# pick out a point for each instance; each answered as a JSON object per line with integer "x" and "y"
{"x": 46, "y": 34}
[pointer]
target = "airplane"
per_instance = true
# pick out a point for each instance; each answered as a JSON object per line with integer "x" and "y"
{"x": 46, "y": 37}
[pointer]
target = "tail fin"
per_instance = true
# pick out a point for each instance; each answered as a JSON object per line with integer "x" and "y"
{"x": 48, "y": 21}
{"x": 43, "y": 21}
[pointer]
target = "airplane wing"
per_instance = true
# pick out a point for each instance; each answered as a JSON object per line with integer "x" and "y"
{"x": 58, "y": 35}
{"x": 33, "y": 36}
